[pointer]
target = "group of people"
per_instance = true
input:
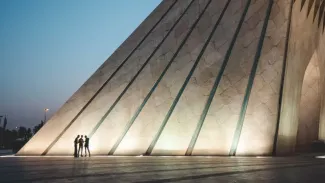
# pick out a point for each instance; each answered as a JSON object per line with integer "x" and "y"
{"x": 79, "y": 141}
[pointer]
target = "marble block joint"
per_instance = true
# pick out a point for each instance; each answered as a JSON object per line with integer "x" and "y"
{"x": 203, "y": 77}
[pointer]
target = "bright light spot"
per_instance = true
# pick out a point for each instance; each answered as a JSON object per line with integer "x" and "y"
{"x": 7, "y": 156}
{"x": 320, "y": 157}
{"x": 263, "y": 157}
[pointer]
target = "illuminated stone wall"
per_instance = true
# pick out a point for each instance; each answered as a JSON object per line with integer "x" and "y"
{"x": 321, "y": 59}
{"x": 54, "y": 126}
{"x": 309, "y": 109}
{"x": 199, "y": 77}
{"x": 260, "y": 121}
{"x": 112, "y": 126}
{"x": 305, "y": 35}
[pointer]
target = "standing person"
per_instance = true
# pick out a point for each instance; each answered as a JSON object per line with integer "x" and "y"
{"x": 76, "y": 146}
{"x": 87, "y": 146}
{"x": 81, "y": 145}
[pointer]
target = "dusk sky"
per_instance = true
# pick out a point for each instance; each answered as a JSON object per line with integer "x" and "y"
{"x": 49, "y": 48}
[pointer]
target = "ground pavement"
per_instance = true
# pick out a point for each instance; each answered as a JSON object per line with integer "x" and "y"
{"x": 163, "y": 169}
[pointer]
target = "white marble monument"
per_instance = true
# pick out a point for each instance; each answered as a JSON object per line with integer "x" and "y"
{"x": 203, "y": 77}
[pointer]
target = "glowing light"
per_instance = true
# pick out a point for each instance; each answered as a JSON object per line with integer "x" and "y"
{"x": 320, "y": 157}
{"x": 263, "y": 157}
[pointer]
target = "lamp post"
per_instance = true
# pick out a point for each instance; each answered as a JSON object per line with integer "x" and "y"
{"x": 45, "y": 111}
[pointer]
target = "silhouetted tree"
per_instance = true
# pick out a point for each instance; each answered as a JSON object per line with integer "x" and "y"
{"x": 22, "y": 131}
{"x": 29, "y": 133}
{"x": 38, "y": 127}
{"x": 17, "y": 138}
{"x": 9, "y": 137}
{"x": 2, "y": 134}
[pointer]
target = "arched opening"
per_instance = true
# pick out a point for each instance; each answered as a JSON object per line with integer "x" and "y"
{"x": 309, "y": 109}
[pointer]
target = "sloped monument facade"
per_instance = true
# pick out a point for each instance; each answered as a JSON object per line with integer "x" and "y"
{"x": 203, "y": 77}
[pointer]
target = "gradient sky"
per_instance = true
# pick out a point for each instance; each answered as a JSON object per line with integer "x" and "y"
{"x": 49, "y": 48}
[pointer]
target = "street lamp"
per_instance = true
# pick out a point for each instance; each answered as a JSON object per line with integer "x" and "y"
{"x": 45, "y": 111}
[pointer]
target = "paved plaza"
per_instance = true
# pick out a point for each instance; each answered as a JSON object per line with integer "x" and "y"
{"x": 162, "y": 169}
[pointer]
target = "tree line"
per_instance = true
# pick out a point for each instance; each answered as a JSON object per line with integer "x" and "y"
{"x": 18, "y": 137}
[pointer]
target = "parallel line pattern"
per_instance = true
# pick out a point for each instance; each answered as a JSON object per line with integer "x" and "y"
{"x": 179, "y": 94}
{"x": 155, "y": 139}
{"x": 217, "y": 81}
{"x": 320, "y": 13}
{"x": 317, "y": 4}
{"x": 130, "y": 123}
{"x": 132, "y": 80}
{"x": 240, "y": 122}
{"x": 286, "y": 48}
{"x": 194, "y": 137}
{"x": 105, "y": 83}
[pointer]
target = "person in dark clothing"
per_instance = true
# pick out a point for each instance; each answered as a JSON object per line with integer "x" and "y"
{"x": 87, "y": 146}
{"x": 76, "y": 146}
{"x": 81, "y": 145}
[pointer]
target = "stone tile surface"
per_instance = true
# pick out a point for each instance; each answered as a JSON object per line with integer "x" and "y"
{"x": 140, "y": 135}
{"x": 321, "y": 58}
{"x": 220, "y": 123}
{"x": 309, "y": 109}
{"x": 115, "y": 123}
{"x": 122, "y": 112}
{"x": 303, "y": 42}
{"x": 162, "y": 169}
{"x": 259, "y": 125}
{"x": 180, "y": 127}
